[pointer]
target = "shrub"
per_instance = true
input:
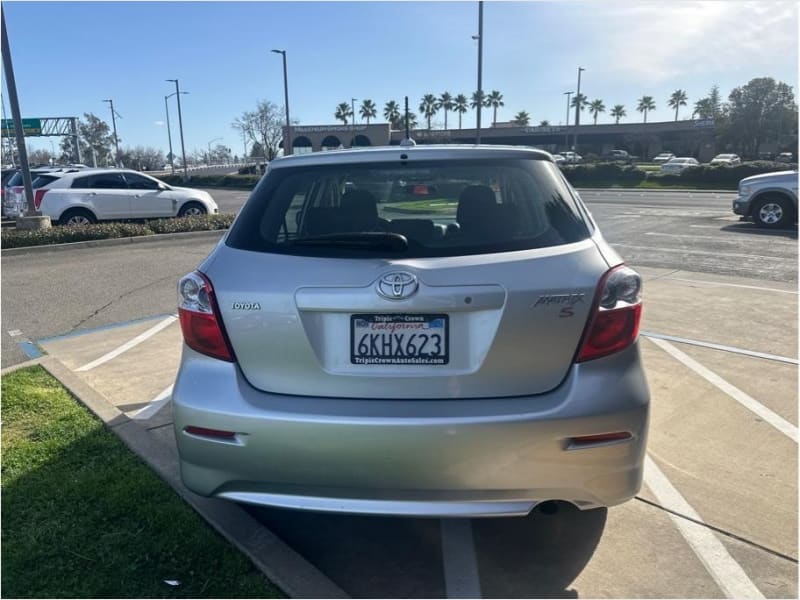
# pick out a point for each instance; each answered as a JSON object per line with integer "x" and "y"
{"x": 608, "y": 173}
{"x": 15, "y": 238}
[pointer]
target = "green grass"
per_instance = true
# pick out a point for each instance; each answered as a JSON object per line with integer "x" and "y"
{"x": 84, "y": 517}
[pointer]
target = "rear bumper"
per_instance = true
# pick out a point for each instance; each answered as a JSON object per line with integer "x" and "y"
{"x": 414, "y": 457}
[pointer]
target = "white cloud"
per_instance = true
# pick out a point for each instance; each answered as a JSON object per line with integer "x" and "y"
{"x": 159, "y": 123}
{"x": 655, "y": 43}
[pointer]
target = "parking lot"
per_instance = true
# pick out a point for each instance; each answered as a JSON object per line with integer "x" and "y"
{"x": 717, "y": 516}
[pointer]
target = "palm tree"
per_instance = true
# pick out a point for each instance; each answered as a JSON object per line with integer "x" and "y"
{"x": 596, "y": 107}
{"x": 343, "y": 112}
{"x": 522, "y": 118}
{"x": 676, "y": 100}
{"x": 544, "y": 123}
{"x": 391, "y": 112}
{"x": 428, "y": 107}
{"x": 460, "y": 106}
{"x": 646, "y": 103}
{"x": 617, "y": 112}
{"x": 368, "y": 110}
{"x": 579, "y": 99}
{"x": 495, "y": 100}
{"x": 478, "y": 98}
{"x": 703, "y": 108}
{"x": 445, "y": 102}
{"x": 412, "y": 121}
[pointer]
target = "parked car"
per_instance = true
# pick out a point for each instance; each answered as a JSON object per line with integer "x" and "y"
{"x": 7, "y": 174}
{"x": 571, "y": 158}
{"x": 770, "y": 199}
{"x": 13, "y": 190}
{"x": 558, "y": 159}
{"x": 618, "y": 156}
{"x": 663, "y": 157}
{"x": 785, "y": 157}
{"x": 726, "y": 159}
{"x": 87, "y": 196}
{"x": 342, "y": 354}
{"x": 678, "y": 165}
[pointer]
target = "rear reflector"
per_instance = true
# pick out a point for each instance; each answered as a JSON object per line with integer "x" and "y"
{"x": 213, "y": 433}
{"x": 602, "y": 437}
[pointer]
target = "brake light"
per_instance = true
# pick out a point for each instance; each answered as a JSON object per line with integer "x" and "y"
{"x": 38, "y": 195}
{"x": 616, "y": 313}
{"x": 201, "y": 323}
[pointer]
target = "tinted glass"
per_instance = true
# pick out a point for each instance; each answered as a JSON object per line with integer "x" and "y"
{"x": 43, "y": 180}
{"x": 138, "y": 182}
{"x": 112, "y": 181}
{"x": 80, "y": 182}
{"x": 442, "y": 208}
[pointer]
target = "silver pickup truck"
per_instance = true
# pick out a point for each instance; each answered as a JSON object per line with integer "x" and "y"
{"x": 770, "y": 200}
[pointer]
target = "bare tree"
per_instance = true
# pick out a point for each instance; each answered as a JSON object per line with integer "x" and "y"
{"x": 263, "y": 125}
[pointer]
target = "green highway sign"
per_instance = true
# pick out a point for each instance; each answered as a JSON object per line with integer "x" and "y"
{"x": 29, "y": 126}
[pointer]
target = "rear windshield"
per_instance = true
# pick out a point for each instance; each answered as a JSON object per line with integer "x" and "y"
{"x": 42, "y": 180}
{"x": 442, "y": 208}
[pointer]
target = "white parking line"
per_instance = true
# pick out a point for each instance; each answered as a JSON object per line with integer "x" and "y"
{"x": 736, "y": 285}
{"x": 129, "y": 344}
{"x": 704, "y": 252}
{"x": 461, "y": 578}
{"x": 728, "y": 574}
{"x": 745, "y": 400}
{"x": 711, "y": 345}
{"x": 155, "y": 405}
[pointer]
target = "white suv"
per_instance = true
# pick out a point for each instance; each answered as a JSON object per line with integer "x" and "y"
{"x": 92, "y": 195}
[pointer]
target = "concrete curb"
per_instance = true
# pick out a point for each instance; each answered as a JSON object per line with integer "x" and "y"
{"x": 142, "y": 239}
{"x": 280, "y": 564}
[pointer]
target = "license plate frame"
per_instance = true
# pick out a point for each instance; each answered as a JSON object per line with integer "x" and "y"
{"x": 406, "y": 325}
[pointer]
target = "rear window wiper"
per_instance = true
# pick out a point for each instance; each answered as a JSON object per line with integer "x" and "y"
{"x": 367, "y": 240}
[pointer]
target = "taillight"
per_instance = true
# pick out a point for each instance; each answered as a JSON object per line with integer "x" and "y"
{"x": 38, "y": 195}
{"x": 201, "y": 323}
{"x": 616, "y": 312}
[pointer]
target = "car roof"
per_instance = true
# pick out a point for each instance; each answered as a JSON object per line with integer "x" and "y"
{"x": 413, "y": 153}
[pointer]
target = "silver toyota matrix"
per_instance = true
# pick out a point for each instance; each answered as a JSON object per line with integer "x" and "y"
{"x": 422, "y": 330}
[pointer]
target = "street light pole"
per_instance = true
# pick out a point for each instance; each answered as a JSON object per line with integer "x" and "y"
{"x": 180, "y": 126}
{"x": 353, "y": 122}
{"x": 287, "y": 140}
{"x": 22, "y": 151}
{"x": 577, "y": 111}
{"x": 566, "y": 135}
{"x": 209, "y": 147}
{"x": 169, "y": 136}
{"x": 116, "y": 139}
{"x": 480, "y": 71}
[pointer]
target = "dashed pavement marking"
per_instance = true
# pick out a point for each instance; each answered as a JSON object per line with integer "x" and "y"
{"x": 742, "y": 398}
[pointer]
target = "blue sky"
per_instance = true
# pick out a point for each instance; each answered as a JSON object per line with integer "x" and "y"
{"x": 69, "y": 56}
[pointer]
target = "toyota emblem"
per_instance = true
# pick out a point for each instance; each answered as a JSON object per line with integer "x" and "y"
{"x": 397, "y": 285}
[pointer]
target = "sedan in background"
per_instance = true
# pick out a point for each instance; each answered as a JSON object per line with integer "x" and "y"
{"x": 726, "y": 159}
{"x": 91, "y": 195}
{"x": 678, "y": 165}
{"x": 572, "y": 158}
{"x": 663, "y": 157}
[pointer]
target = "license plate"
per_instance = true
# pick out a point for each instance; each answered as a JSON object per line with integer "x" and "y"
{"x": 399, "y": 339}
